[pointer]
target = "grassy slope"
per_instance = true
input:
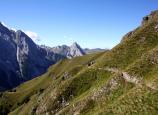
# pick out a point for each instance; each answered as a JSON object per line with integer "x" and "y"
{"x": 71, "y": 87}
{"x": 11, "y": 100}
{"x": 138, "y": 101}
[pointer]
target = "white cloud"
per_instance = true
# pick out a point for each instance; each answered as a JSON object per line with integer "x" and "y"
{"x": 34, "y": 36}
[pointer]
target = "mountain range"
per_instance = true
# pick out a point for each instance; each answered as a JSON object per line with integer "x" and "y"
{"x": 72, "y": 51}
{"x": 120, "y": 81}
{"x": 21, "y": 59}
{"x": 68, "y": 51}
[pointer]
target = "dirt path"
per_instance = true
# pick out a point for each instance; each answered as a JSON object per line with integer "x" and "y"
{"x": 129, "y": 78}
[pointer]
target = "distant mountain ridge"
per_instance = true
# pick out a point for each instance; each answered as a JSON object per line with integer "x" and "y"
{"x": 72, "y": 51}
{"x": 89, "y": 51}
{"x": 68, "y": 51}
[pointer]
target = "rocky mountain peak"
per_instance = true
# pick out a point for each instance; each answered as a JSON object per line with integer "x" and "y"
{"x": 149, "y": 18}
{"x": 76, "y": 50}
{"x": 75, "y": 44}
{"x": 69, "y": 51}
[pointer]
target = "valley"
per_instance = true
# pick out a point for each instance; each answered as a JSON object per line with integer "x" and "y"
{"x": 120, "y": 81}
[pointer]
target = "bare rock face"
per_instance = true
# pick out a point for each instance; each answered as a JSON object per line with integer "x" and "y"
{"x": 63, "y": 50}
{"x": 31, "y": 59}
{"x": 8, "y": 61}
{"x": 21, "y": 59}
{"x": 76, "y": 50}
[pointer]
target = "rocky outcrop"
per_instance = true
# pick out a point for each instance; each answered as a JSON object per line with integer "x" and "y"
{"x": 149, "y": 18}
{"x": 152, "y": 17}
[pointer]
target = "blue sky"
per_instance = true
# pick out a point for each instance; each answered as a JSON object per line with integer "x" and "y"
{"x": 91, "y": 23}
